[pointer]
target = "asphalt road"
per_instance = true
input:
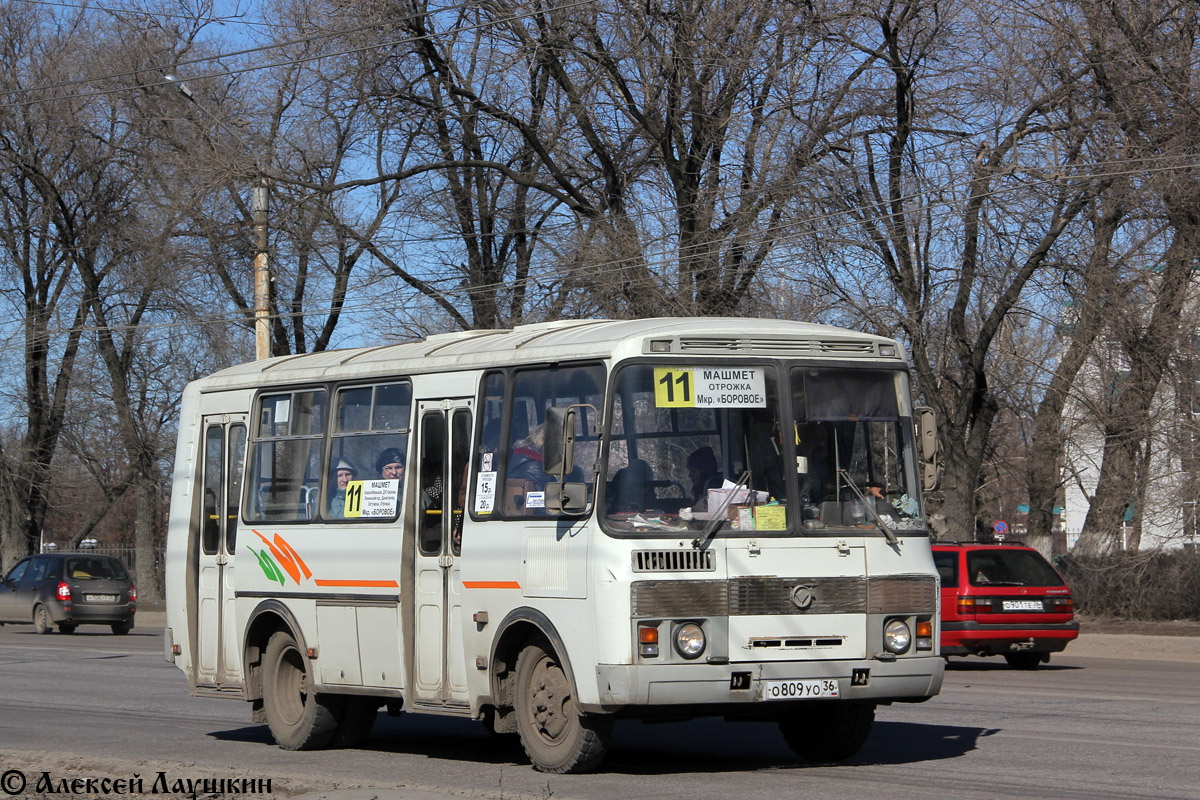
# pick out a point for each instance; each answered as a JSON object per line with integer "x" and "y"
{"x": 95, "y": 705}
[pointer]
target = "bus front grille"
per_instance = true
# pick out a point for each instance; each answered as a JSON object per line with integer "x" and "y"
{"x": 769, "y": 596}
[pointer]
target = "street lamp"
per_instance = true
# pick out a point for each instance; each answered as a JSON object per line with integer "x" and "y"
{"x": 259, "y": 207}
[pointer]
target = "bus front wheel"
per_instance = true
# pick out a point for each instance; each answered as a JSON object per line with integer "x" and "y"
{"x": 299, "y": 718}
{"x": 556, "y": 735}
{"x": 828, "y": 731}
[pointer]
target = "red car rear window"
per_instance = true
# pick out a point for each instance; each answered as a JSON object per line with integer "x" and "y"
{"x": 1010, "y": 568}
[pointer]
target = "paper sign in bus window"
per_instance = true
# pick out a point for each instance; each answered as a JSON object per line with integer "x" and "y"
{"x": 710, "y": 387}
{"x": 372, "y": 499}
{"x": 770, "y": 518}
{"x": 485, "y": 493}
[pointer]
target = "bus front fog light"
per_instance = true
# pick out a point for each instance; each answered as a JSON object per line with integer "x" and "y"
{"x": 897, "y": 638}
{"x": 689, "y": 640}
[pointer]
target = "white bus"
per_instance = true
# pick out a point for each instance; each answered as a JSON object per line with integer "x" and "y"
{"x": 555, "y": 526}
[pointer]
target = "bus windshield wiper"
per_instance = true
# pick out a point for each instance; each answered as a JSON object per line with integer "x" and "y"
{"x": 870, "y": 504}
{"x": 720, "y": 515}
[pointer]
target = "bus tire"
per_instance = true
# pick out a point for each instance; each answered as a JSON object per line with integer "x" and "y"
{"x": 556, "y": 735}
{"x": 355, "y": 721}
{"x": 299, "y": 718}
{"x": 828, "y": 731}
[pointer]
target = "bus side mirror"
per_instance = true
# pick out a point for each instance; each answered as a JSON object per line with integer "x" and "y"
{"x": 558, "y": 450}
{"x": 566, "y": 498}
{"x": 927, "y": 445}
{"x": 558, "y": 459}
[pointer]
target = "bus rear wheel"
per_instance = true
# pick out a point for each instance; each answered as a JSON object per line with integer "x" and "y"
{"x": 355, "y": 720}
{"x": 299, "y": 718}
{"x": 828, "y": 731}
{"x": 556, "y": 735}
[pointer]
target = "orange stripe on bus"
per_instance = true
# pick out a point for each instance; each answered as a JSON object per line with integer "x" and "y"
{"x": 360, "y": 584}
{"x": 491, "y": 585}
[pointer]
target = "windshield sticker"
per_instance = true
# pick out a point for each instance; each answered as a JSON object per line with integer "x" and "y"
{"x": 372, "y": 499}
{"x": 710, "y": 387}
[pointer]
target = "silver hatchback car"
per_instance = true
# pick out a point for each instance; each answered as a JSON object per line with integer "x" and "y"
{"x": 68, "y": 590}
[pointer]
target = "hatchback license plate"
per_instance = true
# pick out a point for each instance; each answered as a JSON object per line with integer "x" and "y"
{"x": 1022, "y": 605}
{"x": 100, "y": 598}
{"x": 796, "y": 690}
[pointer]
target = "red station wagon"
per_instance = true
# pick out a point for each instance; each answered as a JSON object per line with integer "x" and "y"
{"x": 1003, "y": 600}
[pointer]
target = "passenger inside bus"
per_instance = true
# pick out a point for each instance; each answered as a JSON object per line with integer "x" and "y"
{"x": 432, "y": 505}
{"x": 704, "y": 473}
{"x": 390, "y": 464}
{"x": 526, "y": 460}
{"x": 631, "y": 489}
{"x": 344, "y": 473}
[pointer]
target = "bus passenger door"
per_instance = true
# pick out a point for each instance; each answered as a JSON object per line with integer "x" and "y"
{"x": 218, "y": 661}
{"x": 443, "y": 449}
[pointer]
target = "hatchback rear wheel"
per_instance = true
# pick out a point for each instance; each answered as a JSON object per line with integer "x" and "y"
{"x": 121, "y": 628}
{"x": 41, "y": 619}
{"x": 1023, "y": 660}
{"x": 67, "y": 627}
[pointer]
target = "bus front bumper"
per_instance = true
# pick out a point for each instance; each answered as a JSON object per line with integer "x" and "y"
{"x": 907, "y": 679}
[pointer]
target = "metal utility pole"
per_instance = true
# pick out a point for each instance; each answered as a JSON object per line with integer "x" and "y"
{"x": 259, "y": 208}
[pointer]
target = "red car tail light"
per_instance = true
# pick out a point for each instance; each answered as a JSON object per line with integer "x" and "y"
{"x": 132, "y": 593}
{"x": 1063, "y": 605}
{"x": 973, "y": 605}
{"x": 64, "y": 591}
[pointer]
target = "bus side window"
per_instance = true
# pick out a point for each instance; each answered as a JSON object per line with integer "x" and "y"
{"x": 369, "y": 442}
{"x": 482, "y": 481}
{"x": 534, "y": 391}
{"x": 285, "y": 455}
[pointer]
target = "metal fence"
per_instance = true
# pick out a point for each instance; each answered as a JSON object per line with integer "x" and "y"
{"x": 128, "y": 556}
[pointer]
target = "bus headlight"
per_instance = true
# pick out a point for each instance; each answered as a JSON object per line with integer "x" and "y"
{"x": 689, "y": 640}
{"x": 897, "y": 638}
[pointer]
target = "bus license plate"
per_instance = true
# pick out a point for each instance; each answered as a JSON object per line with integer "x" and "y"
{"x": 797, "y": 690}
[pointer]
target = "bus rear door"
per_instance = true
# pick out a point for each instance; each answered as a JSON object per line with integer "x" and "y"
{"x": 219, "y": 663}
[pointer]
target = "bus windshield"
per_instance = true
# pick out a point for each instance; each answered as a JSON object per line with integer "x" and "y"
{"x": 692, "y": 443}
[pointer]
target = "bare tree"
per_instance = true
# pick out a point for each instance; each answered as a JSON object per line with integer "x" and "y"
{"x": 958, "y": 218}
{"x": 51, "y": 188}
{"x": 1142, "y": 56}
{"x": 1098, "y": 284}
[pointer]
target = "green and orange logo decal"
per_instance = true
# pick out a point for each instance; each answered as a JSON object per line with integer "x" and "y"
{"x": 281, "y": 561}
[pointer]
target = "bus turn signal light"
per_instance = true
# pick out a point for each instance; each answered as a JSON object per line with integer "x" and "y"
{"x": 648, "y": 641}
{"x": 925, "y": 635}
